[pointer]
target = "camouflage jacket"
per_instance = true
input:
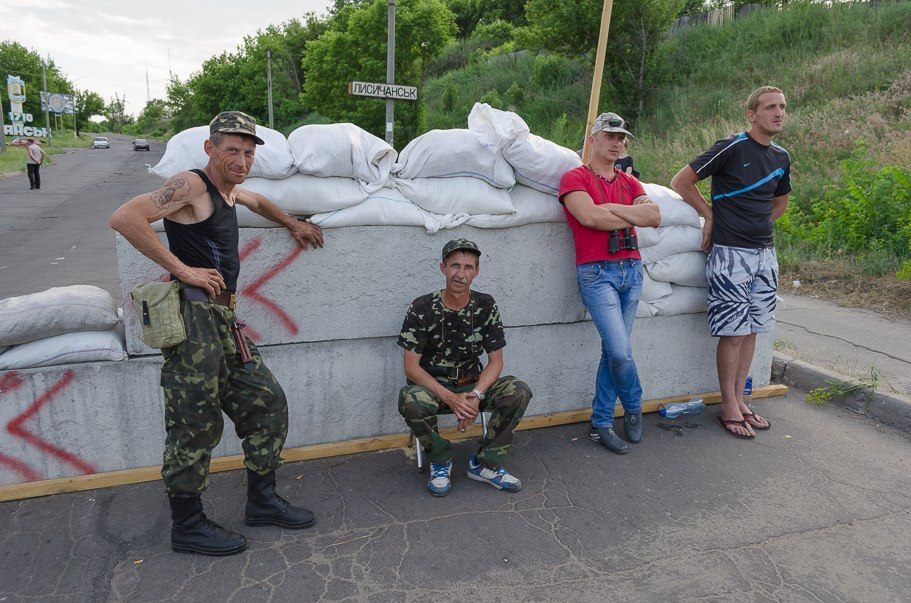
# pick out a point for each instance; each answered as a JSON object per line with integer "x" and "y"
{"x": 450, "y": 339}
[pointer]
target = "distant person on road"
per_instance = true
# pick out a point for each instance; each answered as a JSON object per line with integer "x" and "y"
{"x": 624, "y": 162}
{"x": 212, "y": 371}
{"x": 444, "y": 335}
{"x": 34, "y": 158}
{"x": 751, "y": 183}
{"x": 603, "y": 207}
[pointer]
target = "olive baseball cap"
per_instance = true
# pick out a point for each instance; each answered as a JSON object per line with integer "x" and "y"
{"x": 609, "y": 122}
{"x": 460, "y": 245}
{"x": 235, "y": 122}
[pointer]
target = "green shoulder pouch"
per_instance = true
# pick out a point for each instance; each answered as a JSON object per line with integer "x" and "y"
{"x": 158, "y": 308}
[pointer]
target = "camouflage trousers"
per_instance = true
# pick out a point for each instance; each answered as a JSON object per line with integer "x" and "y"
{"x": 506, "y": 401}
{"x": 204, "y": 376}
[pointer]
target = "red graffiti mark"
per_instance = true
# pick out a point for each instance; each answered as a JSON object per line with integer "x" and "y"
{"x": 10, "y": 382}
{"x": 252, "y": 290}
{"x": 249, "y": 248}
{"x": 17, "y": 428}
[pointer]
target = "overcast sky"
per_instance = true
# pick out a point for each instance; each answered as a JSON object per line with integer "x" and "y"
{"x": 107, "y": 45}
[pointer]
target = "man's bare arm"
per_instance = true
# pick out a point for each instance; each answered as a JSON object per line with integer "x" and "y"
{"x": 133, "y": 220}
{"x": 643, "y": 212}
{"x": 600, "y": 217}
{"x": 304, "y": 233}
{"x": 684, "y": 182}
{"x": 779, "y": 205}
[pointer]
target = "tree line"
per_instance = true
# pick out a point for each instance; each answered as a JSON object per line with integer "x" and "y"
{"x": 315, "y": 56}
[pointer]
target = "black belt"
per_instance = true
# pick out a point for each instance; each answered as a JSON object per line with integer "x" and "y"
{"x": 225, "y": 298}
{"x": 453, "y": 374}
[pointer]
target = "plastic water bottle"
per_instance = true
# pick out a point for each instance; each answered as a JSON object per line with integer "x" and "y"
{"x": 690, "y": 407}
{"x": 748, "y": 391}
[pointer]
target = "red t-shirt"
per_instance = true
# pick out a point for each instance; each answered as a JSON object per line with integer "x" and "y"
{"x": 591, "y": 244}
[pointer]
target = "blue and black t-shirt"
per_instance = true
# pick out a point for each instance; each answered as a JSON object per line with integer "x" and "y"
{"x": 746, "y": 176}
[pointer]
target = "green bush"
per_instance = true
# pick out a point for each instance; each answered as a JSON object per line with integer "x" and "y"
{"x": 869, "y": 210}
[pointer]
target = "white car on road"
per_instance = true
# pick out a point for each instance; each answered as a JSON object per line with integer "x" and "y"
{"x": 100, "y": 142}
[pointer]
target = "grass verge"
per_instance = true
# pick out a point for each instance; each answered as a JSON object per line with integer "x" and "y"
{"x": 13, "y": 160}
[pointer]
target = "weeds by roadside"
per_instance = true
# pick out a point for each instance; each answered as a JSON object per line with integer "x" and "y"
{"x": 836, "y": 390}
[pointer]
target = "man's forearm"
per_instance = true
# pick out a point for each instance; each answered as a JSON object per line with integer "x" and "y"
{"x": 639, "y": 215}
{"x": 141, "y": 236}
{"x": 691, "y": 195}
{"x": 273, "y": 212}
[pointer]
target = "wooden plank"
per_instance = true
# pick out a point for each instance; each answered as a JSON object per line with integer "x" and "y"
{"x": 317, "y": 451}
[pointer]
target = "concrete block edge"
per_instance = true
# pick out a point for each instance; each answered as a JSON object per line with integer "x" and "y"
{"x": 885, "y": 407}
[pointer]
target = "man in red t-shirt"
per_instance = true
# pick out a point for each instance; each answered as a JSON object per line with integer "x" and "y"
{"x": 603, "y": 206}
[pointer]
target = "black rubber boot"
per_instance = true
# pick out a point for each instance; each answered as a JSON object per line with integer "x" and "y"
{"x": 193, "y": 532}
{"x": 266, "y": 507}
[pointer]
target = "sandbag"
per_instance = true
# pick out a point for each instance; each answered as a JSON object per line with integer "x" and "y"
{"x": 682, "y": 300}
{"x": 388, "y": 207}
{"x": 343, "y": 150}
{"x": 540, "y": 163}
{"x": 3, "y": 348}
{"x": 653, "y": 290}
{"x": 185, "y": 152}
{"x": 497, "y": 128}
{"x": 450, "y": 153}
{"x": 643, "y": 310}
{"x": 532, "y": 206}
{"x": 686, "y": 269}
{"x": 455, "y": 195}
{"x": 54, "y": 312}
{"x": 87, "y": 346}
{"x": 303, "y": 195}
{"x": 674, "y": 210}
{"x": 672, "y": 240}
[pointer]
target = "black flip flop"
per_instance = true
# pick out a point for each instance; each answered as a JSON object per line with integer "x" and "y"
{"x": 724, "y": 425}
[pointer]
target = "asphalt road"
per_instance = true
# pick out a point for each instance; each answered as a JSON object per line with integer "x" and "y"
{"x": 816, "y": 509}
{"x": 60, "y": 235}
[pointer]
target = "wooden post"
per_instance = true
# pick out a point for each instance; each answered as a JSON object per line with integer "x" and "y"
{"x": 596, "y": 79}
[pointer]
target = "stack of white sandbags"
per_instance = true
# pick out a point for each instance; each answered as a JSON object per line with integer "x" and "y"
{"x": 62, "y": 325}
{"x": 326, "y": 169}
{"x": 674, "y": 279}
{"x": 537, "y": 162}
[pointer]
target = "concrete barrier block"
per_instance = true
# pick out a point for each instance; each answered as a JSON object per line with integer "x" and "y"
{"x": 97, "y": 417}
{"x": 361, "y": 282}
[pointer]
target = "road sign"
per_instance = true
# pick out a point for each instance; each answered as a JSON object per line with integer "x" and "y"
{"x": 58, "y": 103}
{"x": 393, "y": 91}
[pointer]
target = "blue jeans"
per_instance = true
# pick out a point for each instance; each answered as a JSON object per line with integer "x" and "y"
{"x": 610, "y": 292}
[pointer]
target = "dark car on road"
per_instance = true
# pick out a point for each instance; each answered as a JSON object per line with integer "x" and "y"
{"x": 141, "y": 144}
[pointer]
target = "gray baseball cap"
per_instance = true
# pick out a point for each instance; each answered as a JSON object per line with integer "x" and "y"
{"x": 609, "y": 122}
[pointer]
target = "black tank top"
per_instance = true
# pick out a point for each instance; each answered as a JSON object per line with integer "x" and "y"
{"x": 211, "y": 243}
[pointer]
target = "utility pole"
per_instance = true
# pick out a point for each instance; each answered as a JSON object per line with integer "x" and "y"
{"x": 596, "y": 78}
{"x": 269, "y": 85}
{"x": 47, "y": 115}
{"x": 390, "y": 66}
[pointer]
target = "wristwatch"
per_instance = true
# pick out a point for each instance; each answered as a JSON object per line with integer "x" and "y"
{"x": 478, "y": 394}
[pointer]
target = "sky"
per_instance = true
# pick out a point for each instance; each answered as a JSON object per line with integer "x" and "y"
{"x": 106, "y": 46}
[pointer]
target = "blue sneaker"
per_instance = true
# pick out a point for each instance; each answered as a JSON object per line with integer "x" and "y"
{"x": 500, "y": 479}
{"x": 439, "y": 484}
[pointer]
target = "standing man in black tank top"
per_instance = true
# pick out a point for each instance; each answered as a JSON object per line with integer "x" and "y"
{"x": 206, "y": 374}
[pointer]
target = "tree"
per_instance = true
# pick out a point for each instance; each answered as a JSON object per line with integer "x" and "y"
{"x": 154, "y": 120}
{"x": 354, "y": 48}
{"x": 471, "y": 13}
{"x": 88, "y": 105}
{"x": 116, "y": 115}
{"x": 637, "y": 28}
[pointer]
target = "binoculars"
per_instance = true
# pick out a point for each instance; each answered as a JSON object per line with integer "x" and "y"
{"x": 624, "y": 238}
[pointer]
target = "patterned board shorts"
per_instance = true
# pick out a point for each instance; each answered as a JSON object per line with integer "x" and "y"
{"x": 743, "y": 284}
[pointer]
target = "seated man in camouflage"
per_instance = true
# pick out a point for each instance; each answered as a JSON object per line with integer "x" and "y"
{"x": 444, "y": 335}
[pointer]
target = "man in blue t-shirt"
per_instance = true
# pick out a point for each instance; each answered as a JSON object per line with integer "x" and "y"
{"x": 751, "y": 182}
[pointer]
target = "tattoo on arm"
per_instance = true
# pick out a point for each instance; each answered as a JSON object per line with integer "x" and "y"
{"x": 164, "y": 197}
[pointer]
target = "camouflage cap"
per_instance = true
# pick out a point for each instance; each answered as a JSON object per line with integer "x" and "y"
{"x": 235, "y": 122}
{"x": 460, "y": 244}
{"x": 609, "y": 122}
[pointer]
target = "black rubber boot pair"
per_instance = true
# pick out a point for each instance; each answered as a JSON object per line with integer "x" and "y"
{"x": 266, "y": 507}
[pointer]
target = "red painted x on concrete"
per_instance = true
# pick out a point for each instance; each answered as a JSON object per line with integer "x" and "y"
{"x": 252, "y": 291}
{"x": 11, "y": 381}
